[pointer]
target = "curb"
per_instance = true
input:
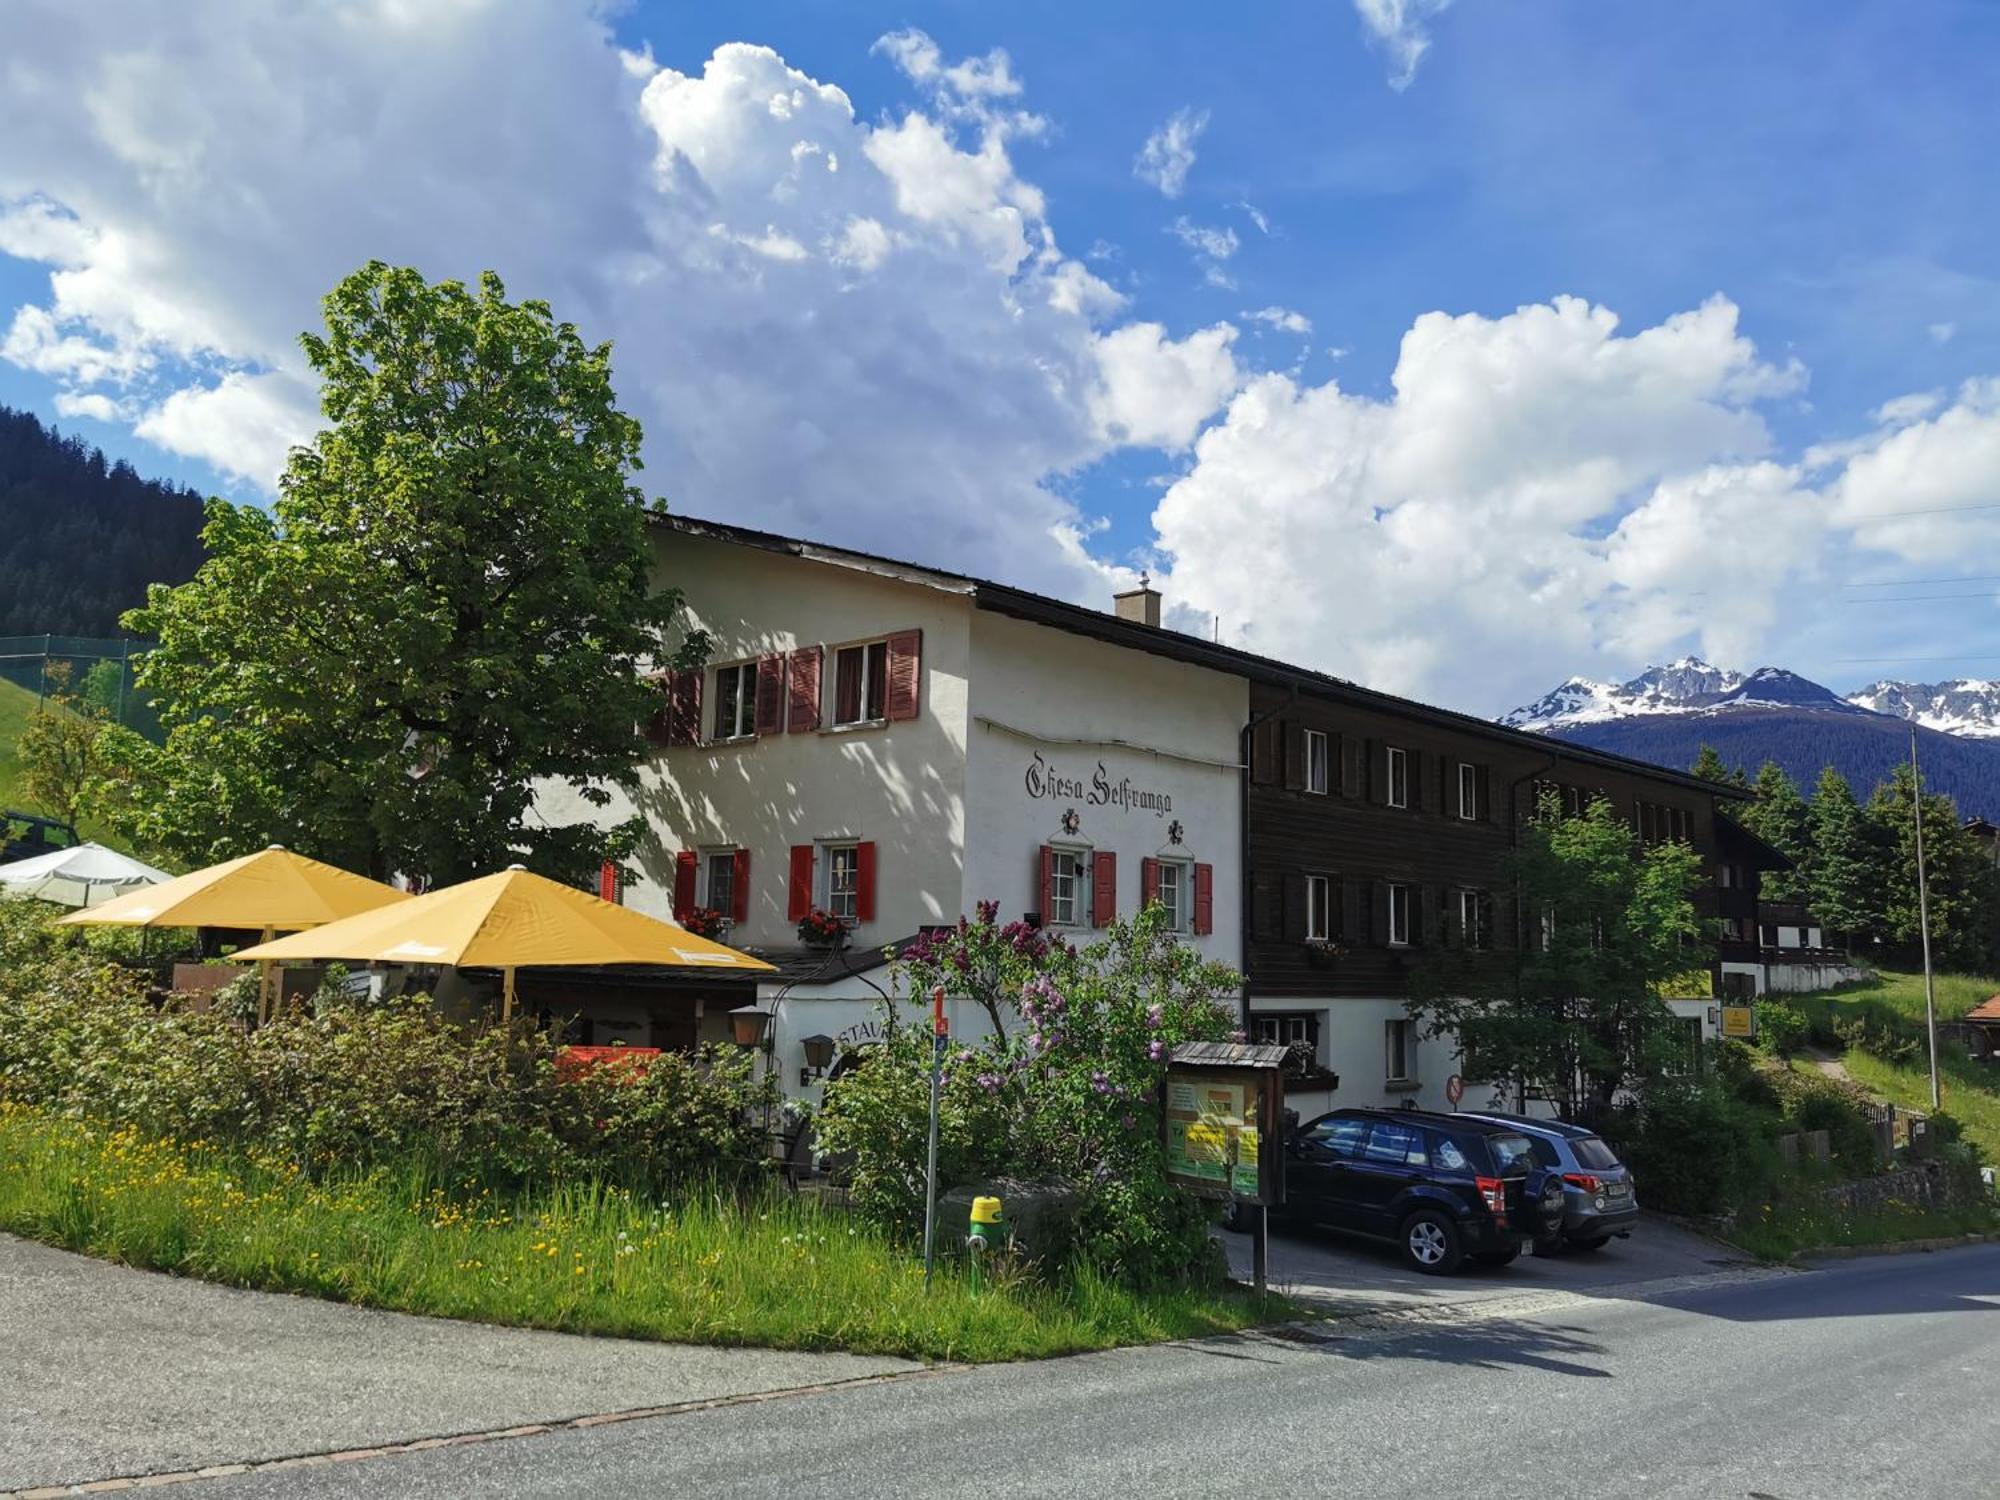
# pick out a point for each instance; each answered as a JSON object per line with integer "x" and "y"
{"x": 1896, "y": 1247}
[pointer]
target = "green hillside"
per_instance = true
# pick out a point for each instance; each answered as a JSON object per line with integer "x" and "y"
{"x": 16, "y": 703}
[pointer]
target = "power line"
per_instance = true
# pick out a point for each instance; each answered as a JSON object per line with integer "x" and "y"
{"x": 1915, "y": 658}
{"x": 1918, "y": 583}
{"x": 1920, "y": 598}
{"x": 1933, "y": 510}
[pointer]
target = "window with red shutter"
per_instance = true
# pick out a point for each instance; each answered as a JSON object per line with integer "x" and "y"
{"x": 1204, "y": 900}
{"x": 1045, "y": 887}
{"x": 1103, "y": 888}
{"x": 739, "y": 889}
{"x": 802, "y": 715}
{"x": 864, "y": 882}
{"x": 1149, "y": 881}
{"x": 799, "y": 892}
{"x": 684, "y": 871}
{"x": 607, "y": 881}
{"x": 906, "y": 674}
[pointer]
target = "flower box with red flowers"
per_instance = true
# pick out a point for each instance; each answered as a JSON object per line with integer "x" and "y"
{"x": 705, "y": 922}
{"x": 820, "y": 928}
{"x": 621, "y": 1064}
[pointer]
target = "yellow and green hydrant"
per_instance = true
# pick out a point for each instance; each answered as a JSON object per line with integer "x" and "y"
{"x": 987, "y": 1233}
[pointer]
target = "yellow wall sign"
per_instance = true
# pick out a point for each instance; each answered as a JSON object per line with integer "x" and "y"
{"x": 1739, "y": 1021}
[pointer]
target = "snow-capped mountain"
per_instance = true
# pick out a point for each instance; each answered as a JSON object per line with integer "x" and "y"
{"x": 1963, "y": 706}
{"x": 1668, "y": 714}
{"x": 1678, "y": 687}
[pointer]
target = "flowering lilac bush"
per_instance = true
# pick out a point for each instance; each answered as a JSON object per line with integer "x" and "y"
{"x": 1065, "y": 1086}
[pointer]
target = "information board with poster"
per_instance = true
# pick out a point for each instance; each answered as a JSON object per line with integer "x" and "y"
{"x": 1222, "y": 1117}
{"x": 1739, "y": 1021}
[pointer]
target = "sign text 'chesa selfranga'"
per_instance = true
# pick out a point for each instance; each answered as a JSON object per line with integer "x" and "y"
{"x": 1047, "y": 782}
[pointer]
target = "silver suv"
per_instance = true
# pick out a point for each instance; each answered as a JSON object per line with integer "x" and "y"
{"x": 1599, "y": 1200}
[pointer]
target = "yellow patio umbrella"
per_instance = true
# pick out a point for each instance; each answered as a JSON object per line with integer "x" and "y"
{"x": 509, "y": 921}
{"x": 271, "y": 891}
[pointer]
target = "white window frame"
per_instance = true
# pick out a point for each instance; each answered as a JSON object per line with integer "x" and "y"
{"x": 833, "y": 718}
{"x": 1079, "y": 881}
{"x": 1319, "y": 908}
{"x": 1319, "y": 761}
{"x": 1396, "y": 890}
{"x": 1472, "y": 920}
{"x": 1468, "y": 792}
{"x": 1399, "y": 1034}
{"x": 709, "y": 856}
{"x": 745, "y": 725}
{"x": 1396, "y": 766}
{"x": 829, "y": 897}
{"x": 1180, "y": 910}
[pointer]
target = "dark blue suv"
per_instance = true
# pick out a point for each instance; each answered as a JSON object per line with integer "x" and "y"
{"x": 1438, "y": 1187}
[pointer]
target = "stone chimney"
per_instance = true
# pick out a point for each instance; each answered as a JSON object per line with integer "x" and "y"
{"x": 1141, "y": 605}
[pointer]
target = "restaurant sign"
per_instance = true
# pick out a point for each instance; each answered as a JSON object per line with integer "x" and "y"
{"x": 1048, "y": 782}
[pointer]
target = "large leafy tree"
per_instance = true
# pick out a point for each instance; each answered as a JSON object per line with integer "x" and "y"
{"x": 450, "y": 601}
{"x": 1572, "y": 1011}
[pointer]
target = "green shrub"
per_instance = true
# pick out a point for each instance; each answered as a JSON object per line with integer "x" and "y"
{"x": 345, "y": 1085}
{"x": 1780, "y": 1027}
{"x": 1066, "y": 1089}
{"x": 1694, "y": 1148}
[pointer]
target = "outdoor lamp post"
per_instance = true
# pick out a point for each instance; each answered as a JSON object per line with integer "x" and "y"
{"x": 750, "y": 1023}
{"x": 819, "y": 1057}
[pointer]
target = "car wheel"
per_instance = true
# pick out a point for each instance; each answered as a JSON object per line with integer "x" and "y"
{"x": 1505, "y": 1257}
{"x": 1430, "y": 1243}
{"x": 1594, "y": 1244}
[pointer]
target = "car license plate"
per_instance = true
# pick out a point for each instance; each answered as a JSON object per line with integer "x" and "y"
{"x": 1616, "y": 1189}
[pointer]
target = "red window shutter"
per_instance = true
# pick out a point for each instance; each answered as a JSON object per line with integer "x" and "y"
{"x": 607, "y": 881}
{"x": 803, "y": 714}
{"x": 739, "y": 899}
{"x": 656, "y": 726}
{"x": 770, "y": 695}
{"x": 1103, "y": 889}
{"x": 906, "y": 674}
{"x": 683, "y": 883}
{"x": 1149, "y": 881}
{"x": 1204, "y": 900}
{"x": 684, "y": 706}
{"x": 864, "y": 882}
{"x": 1046, "y": 873}
{"x": 799, "y": 898}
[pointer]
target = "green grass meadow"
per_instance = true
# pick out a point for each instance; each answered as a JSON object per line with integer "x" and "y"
{"x": 770, "y": 1270}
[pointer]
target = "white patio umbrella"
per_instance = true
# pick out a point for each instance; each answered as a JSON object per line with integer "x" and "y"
{"x": 81, "y": 875}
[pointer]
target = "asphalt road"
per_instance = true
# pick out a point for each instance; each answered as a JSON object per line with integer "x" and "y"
{"x": 1865, "y": 1378}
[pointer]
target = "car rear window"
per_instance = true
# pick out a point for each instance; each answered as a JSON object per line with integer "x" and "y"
{"x": 1592, "y": 1152}
{"x": 1512, "y": 1154}
{"x": 1545, "y": 1151}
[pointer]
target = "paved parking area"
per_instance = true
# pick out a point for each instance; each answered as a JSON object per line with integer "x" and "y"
{"x": 1356, "y": 1276}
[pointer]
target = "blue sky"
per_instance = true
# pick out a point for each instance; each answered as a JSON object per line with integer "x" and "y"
{"x": 1520, "y": 497}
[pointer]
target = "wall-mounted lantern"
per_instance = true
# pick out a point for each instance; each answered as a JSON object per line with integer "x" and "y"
{"x": 819, "y": 1057}
{"x": 750, "y": 1023}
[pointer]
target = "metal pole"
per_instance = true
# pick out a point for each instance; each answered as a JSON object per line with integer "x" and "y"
{"x": 1924, "y": 920}
{"x": 1260, "y": 1251}
{"x": 938, "y": 1034}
